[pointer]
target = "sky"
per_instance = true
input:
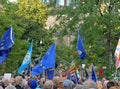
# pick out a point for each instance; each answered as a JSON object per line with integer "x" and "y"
{"x": 12, "y": 0}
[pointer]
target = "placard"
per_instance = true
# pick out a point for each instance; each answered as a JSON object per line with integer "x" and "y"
{"x": 7, "y": 76}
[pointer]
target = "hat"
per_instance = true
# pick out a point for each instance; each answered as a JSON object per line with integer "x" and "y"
{"x": 33, "y": 84}
{"x": 67, "y": 83}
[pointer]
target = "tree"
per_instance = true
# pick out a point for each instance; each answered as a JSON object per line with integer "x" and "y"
{"x": 98, "y": 21}
{"x": 7, "y": 18}
{"x": 33, "y": 10}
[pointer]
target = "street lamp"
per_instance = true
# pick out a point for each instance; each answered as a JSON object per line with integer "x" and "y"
{"x": 83, "y": 65}
{"x": 40, "y": 48}
{"x": 40, "y": 42}
{"x": 104, "y": 67}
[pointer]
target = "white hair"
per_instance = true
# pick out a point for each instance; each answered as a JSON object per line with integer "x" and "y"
{"x": 10, "y": 87}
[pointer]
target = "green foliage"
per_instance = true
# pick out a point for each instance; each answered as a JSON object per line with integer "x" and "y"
{"x": 7, "y": 18}
{"x": 25, "y": 30}
{"x": 33, "y": 10}
{"x": 3, "y": 2}
{"x": 98, "y": 22}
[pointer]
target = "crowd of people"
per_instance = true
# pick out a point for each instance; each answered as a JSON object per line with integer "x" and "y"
{"x": 37, "y": 82}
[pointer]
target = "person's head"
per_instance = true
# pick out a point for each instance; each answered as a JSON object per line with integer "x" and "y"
{"x": 67, "y": 84}
{"x": 18, "y": 80}
{"x": 79, "y": 87}
{"x": 33, "y": 84}
{"x": 105, "y": 84}
{"x": 60, "y": 84}
{"x": 48, "y": 84}
{"x": 40, "y": 84}
{"x": 89, "y": 84}
{"x": 115, "y": 87}
{"x": 111, "y": 84}
{"x": 5, "y": 82}
{"x": 55, "y": 80}
{"x": 10, "y": 87}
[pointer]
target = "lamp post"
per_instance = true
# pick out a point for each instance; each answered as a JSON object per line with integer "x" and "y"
{"x": 41, "y": 48}
{"x": 83, "y": 67}
{"x": 44, "y": 73}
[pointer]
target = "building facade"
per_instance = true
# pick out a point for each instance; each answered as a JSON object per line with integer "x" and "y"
{"x": 59, "y": 2}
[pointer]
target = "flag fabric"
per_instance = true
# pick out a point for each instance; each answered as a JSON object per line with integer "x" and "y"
{"x": 27, "y": 59}
{"x": 101, "y": 72}
{"x": 93, "y": 75}
{"x": 80, "y": 47}
{"x": 74, "y": 77}
{"x": 117, "y": 55}
{"x": 50, "y": 74}
{"x": 48, "y": 61}
{"x": 69, "y": 76}
{"x": 6, "y": 43}
{"x": 29, "y": 69}
{"x": 37, "y": 69}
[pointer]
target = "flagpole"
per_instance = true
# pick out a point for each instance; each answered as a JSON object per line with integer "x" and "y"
{"x": 116, "y": 74}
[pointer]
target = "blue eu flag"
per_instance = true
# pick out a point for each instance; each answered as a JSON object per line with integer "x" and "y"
{"x": 27, "y": 59}
{"x": 37, "y": 69}
{"x": 6, "y": 43}
{"x": 80, "y": 47}
{"x": 48, "y": 61}
{"x": 50, "y": 74}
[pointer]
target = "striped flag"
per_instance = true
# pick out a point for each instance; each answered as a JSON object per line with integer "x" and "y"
{"x": 27, "y": 59}
{"x": 117, "y": 55}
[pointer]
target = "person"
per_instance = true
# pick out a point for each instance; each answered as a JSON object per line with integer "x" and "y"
{"x": 60, "y": 84}
{"x": 67, "y": 84}
{"x": 33, "y": 84}
{"x": 89, "y": 83}
{"x": 111, "y": 84}
{"x": 105, "y": 84}
{"x": 10, "y": 87}
{"x": 18, "y": 81}
{"x": 1, "y": 87}
{"x": 40, "y": 85}
{"x": 48, "y": 84}
{"x": 115, "y": 87}
{"x": 79, "y": 87}
{"x": 5, "y": 82}
{"x": 55, "y": 81}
